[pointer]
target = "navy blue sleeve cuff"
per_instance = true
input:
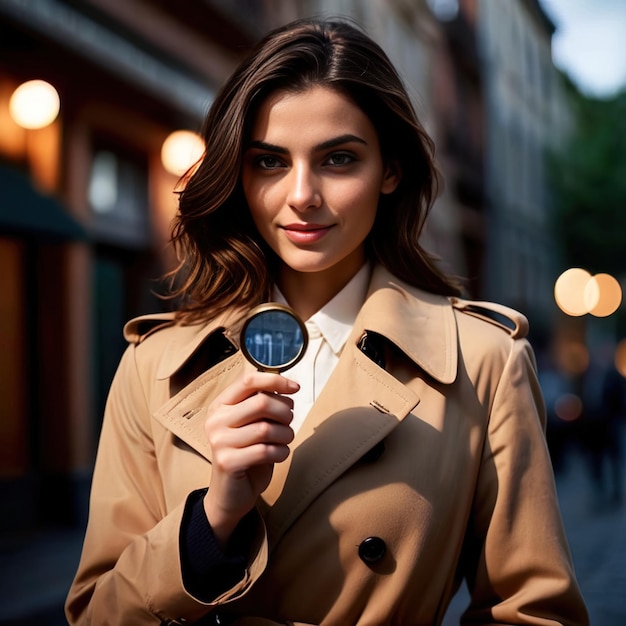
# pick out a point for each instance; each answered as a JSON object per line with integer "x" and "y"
{"x": 208, "y": 570}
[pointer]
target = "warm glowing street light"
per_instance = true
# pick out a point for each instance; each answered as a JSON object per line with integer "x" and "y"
{"x": 34, "y": 104}
{"x": 603, "y": 294}
{"x": 577, "y": 292}
{"x": 180, "y": 151}
{"x": 569, "y": 291}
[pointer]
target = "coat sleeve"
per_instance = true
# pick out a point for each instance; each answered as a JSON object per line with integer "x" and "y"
{"x": 130, "y": 567}
{"x": 522, "y": 570}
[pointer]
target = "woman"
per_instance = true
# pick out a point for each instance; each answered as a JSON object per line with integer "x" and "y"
{"x": 405, "y": 453}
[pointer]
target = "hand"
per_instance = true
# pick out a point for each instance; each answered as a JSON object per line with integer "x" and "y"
{"x": 248, "y": 430}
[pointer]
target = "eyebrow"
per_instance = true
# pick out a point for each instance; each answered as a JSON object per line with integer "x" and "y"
{"x": 325, "y": 145}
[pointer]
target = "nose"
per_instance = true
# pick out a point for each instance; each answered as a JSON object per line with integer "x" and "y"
{"x": 303, "y": 192}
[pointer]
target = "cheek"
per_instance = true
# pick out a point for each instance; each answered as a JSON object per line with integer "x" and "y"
{"x": 268, "y": 192}
{"x": 360, "y": 201}
{"x": 261, "y": 201}
{"x": 262, "y": 222}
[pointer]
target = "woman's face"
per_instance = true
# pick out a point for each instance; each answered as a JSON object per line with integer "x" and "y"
{"x": 312, "y": 176}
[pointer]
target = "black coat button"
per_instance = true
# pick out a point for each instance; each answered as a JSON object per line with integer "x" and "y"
{"x": 372, "y": 550}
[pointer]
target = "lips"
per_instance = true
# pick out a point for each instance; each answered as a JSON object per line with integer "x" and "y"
{"x": 306, "y": 233}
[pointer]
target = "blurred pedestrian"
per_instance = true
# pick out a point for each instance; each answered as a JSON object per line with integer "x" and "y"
{"x": 614, "y": 402}
{"x": 218, "y": 496}
{"x": 563, "y": 409}
{"x": 604, "y": 415}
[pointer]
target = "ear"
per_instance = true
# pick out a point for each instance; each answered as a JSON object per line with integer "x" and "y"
{"x": 392, "y": 178}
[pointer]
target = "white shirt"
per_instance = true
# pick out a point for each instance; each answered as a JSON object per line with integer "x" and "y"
{"x": 328, "y": 330}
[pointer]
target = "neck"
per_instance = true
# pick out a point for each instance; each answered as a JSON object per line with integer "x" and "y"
{"x": 308, "y": 292}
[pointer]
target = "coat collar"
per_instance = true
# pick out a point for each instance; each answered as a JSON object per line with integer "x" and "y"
{"x": 188, "y": 339}
{"x": 419, "y": 323}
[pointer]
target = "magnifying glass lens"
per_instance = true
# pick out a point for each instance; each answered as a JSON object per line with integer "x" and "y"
{"x": 273, "y": 337}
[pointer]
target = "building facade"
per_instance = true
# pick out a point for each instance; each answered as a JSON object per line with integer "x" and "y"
{"x": 526, "y": 114}
{"x": 84, "y": 217}
{"x": 459, "y": 114}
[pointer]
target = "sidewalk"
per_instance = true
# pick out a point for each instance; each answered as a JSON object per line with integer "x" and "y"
{"x": 37, "y": 570}
{"x": 597, "y": 535}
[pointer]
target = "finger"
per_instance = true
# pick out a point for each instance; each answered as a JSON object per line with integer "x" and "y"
{"x": 235, "y": 461}
{"x": 253, "y": 382}
{"x": 258, "y": 432}
{"x": 259, "y": 407}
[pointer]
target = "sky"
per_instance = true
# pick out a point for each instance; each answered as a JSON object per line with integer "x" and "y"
{"x": 590, "y": 43}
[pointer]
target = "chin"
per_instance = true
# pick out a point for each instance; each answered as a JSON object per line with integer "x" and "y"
{"x": 308, "y": 266}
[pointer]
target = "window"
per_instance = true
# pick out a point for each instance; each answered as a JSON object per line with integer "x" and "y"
{"x": 118, "y": 197}
{"x": 444, "y": 10}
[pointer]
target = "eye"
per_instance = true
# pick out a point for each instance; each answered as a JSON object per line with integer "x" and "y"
{"x": 339, "y": 159}
{"x": 267, "y": 162}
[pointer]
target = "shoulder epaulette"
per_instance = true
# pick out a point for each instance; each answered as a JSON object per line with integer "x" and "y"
{"x": 510, "y": 320}
{"x": 137, "y": 329}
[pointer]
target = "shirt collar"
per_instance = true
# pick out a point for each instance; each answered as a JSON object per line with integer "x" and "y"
{"x": 336, "y": 318}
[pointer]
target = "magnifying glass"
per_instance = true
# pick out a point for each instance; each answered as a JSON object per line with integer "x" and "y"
{"x": 273, "y": 337}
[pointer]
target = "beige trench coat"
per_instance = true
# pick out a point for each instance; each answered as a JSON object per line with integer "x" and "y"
{"x": 463, "y": 486}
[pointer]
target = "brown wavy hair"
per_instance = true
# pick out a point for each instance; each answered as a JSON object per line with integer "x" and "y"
{"x": 223, "y": 261}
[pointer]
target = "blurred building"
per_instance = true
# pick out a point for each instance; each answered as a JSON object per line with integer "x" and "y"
{"x": 459, "y": 135}
{"x": 85, "y": 208}
{"x": 526, "y": 114}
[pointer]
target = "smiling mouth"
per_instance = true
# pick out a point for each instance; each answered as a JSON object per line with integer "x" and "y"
{"x": 305, "y": 233}
{"x": 305, "y": 227}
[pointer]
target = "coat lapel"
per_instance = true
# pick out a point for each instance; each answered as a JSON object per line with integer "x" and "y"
{"x": 185, "y": 413}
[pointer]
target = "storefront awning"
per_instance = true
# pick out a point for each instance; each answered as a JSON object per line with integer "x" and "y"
{"x": 26, "y": 211}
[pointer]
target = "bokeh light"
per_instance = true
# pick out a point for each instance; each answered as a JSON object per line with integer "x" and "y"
{"x": 620, "y": 357}
{"x": 577, "y": 292}
{"x": 34, "y": 104}
{"x": 606, "y": 292}
{"x": 572, "y": 356}
{"x": 569, "y": 291}
{"x": 568, "y": 407}
{"x": 180, "y": 151}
